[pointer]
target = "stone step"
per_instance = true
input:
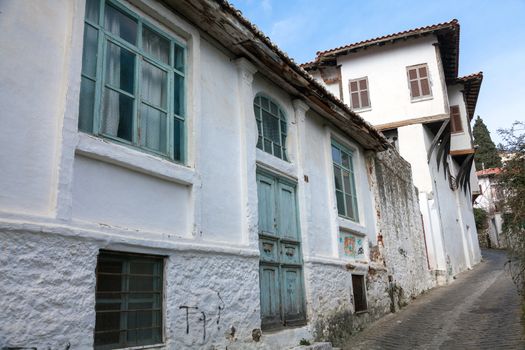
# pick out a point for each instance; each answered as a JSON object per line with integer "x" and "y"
{"x": 316, "y": 346}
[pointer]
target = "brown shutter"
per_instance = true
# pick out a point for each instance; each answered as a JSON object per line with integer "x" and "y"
{"x": 355, "y": 100}
{"x": 425, "y": 87}
{"x": 412, "y": 74}
{"x": 422, "y": 72}
{"x": 353, "y": 86}
{"x": 364, "y": 99}
{"x": 362, "y": 84}
{"x": 455, "y": 119}
{"x": 414, "y": 89}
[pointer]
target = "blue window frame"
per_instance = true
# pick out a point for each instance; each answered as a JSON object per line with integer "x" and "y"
{"x": 344, "y": 179}
{"x": 132, "y": 81}
{"x": 271, "y": 124}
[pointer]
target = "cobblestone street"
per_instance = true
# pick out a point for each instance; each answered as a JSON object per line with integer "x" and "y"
{"x": 479, "y": 310}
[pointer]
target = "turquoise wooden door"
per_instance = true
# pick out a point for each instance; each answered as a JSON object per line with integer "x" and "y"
{"x": 280, "y": 273}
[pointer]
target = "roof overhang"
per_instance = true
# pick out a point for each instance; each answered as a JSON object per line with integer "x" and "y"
{"x": 227, "y": 26}
{"x": 447, "y": 34}
{"x": 471, "y": 86}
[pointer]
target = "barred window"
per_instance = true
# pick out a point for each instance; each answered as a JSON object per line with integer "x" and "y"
{"x": 128, "y": 300}
{"x": 271, "y": 124}
{"x": 132, "y": 81}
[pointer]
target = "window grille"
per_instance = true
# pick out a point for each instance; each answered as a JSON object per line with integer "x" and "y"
{"x": 128, "y": 300}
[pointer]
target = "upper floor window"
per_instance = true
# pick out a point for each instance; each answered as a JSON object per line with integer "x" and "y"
{"x": 345, "y": 189}
{"x": 271, "y": 124}
{"x": 359, "y": 98}
{"x": 455, "y": 119}
{"x": 418, "y": 81}
{"x": 132, "y": 84}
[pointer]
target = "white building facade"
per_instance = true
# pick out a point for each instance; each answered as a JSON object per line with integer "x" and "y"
{"x": 170, "y": 179}
{"x": 407, "y": 85}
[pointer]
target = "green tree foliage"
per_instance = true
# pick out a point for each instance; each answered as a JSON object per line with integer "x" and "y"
{"x": 512, "y": 182}
{"x": 480, "y": 217}
{"x": 486, "y": 154}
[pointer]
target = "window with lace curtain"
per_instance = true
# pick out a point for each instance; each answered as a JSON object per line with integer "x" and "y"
{"x": 132, "y": 84}
{"x": 271, "y": 124}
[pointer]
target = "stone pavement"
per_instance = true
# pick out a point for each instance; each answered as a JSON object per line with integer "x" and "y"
{"x": 479, "y": 310}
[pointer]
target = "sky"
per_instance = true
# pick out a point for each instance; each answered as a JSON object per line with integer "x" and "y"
{"x": 492, "y": 38}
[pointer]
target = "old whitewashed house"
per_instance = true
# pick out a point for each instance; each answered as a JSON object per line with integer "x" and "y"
{"x": 170, "y": 179}
{"x": 490, "y": 200}
{"x": 407, "y": 85}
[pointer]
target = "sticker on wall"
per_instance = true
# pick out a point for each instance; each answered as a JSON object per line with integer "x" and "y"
{"x": 351, "y": 246}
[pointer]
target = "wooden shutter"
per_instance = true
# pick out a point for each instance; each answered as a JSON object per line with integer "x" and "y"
{"x": 293, "y": 295}
{"x": 455, "y": 119}
{"x": 287, "y": 212}
{"x": 270, "y": 296}
{"x": 266, "y": 198}
{"x": 354, "y": 95}
{"x": 414, "y": 86}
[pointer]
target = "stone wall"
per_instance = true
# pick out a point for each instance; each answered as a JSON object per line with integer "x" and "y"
{"x": 401, "y": 248}
{"x": 48, "y": 294}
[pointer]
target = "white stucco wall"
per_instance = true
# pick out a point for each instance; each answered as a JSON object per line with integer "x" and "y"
{"x": 33, "y": 85}
{"x": 65, "y": 195}
{"x": 389, "y": 91}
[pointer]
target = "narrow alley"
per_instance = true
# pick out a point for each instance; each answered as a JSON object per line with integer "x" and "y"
{"x": 480, "y": 310}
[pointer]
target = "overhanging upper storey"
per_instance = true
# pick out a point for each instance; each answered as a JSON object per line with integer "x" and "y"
{"x": 447, "y": 34}
{"x": 225, "y": 24}
{"x": 471, "y": 86}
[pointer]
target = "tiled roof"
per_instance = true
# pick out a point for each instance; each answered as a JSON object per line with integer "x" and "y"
{"x": 491, "y": 171}
{"x": 447, "y": 33}
{"x": 472, "y": 85}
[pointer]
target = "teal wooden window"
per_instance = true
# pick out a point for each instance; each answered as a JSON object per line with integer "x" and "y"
{"x": 132, "y": 81}
{"x": 128, "y": 300}
{"x": 271, "y": 124}
{"x": 281, "y": 265}
{"x": 344, "y": 180}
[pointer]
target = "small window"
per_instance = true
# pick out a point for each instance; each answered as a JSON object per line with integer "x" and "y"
{"x": 419, "y": 82}
{"x": 455, "y": 119}
{"x": 359, "y": 97}
{"x": 132, "y": 81}
{"x": 271, "y": 124}
{"x": 345, "y": 189}
{"x": 128, "y": 300}
{"x": 359, "y": 291}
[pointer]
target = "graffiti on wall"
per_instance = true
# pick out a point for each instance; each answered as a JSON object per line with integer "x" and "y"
{"x": 351, "y": 245}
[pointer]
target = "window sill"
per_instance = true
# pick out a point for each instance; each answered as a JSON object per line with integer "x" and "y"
{"x": 361, "y": 110}
{"x": 153, "y": 346}
{"x": 349, "y": 225}
{"x": 421, "y": 99}
{"x": 457, "y": 133}
{"x": 100, "y": 149}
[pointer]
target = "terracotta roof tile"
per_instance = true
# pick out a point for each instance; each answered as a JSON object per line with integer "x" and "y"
{"x": 448, "y": 36}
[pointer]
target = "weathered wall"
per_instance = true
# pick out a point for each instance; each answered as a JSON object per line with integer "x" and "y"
{"x": 48, "y": 293}
{"x": 401, "y": 227}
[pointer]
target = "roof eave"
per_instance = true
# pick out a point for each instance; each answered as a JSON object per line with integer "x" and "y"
{"x": 225, "y": 24}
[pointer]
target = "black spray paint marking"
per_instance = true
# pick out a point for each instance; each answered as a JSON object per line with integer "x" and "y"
{"x": 221, "y": 307}
{"x": 203, "y": 319}
{"x": 187, "y": 312}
